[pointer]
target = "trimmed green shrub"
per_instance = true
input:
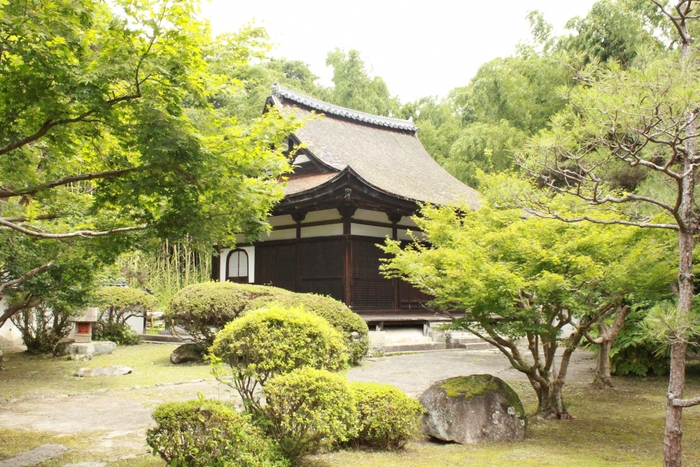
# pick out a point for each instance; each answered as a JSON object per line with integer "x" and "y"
{"x": 348, "y": 323}
{"x": 387, "y": 416}
{"x": 272, "y": 341}
{"x": 203, "y": 309}
{"x": 118, "y": 304}
{"x": 119, "y": 333}
{"x": 203, "y": 433}
{"x": 308, "y": 410}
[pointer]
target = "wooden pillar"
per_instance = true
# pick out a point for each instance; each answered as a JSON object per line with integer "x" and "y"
{"x": 346, "y": 211}
{"x": 298, "y": 216}
{"x": 395, "y": 218}
{"x": 215, "y": 265}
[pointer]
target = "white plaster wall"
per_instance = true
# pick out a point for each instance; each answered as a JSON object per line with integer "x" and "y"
{"x": 10, "y": 337}
{"x": 325, "y": 215}
{"x": 137, "y": 323}
{"x": 251, "y": 263}
{"x": 407, "y": 220}
{"x": 281, "y": 220}
{"x": 367, "y": 215}
{"x": 370, "y": 231}
{"x": 322, "y": 231}
{"x": 402, "y": 234}
{"x": 284, "y": 234}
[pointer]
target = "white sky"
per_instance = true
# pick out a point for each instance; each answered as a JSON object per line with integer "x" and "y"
{"x": 419, "y": 48}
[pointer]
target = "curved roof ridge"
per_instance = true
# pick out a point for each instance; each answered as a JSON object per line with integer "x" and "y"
{"x": 377, "y": 120}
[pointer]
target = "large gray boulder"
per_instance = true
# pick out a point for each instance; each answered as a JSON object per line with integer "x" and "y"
{"x": 473, "y": 409}
{"x": 187, "y": 353}
{"x": 87, "y": 350}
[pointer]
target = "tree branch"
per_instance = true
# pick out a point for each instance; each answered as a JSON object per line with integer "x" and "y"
{"x": 66, "y": 180}
{"x": 78, "y": 233}
{"x": 685, "y": 402}
{"x": 553, "y": 215}
{"x": 26, "y": 276}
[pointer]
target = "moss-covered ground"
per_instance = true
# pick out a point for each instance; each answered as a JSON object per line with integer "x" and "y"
{"x": 622, "y": 427}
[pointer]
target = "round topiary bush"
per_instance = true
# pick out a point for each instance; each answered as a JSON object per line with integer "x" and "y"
{"x": 117, "y": 305}
{"x": 275, "y": 340}
{"x": 203, "y": 309}
{"x": 308, "y": 410}
{"x": 387, "y": 416}
{"x": 348, "y": 323}
{"x": 202, "y": 433}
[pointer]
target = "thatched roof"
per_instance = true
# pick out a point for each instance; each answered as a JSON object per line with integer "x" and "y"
{"x": 382, "y": 152}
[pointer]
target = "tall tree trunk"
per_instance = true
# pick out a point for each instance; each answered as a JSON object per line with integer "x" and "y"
{"x": 603, "y": 378}
{"x": 673, "y": 436}
{"x": 550, "y": 404}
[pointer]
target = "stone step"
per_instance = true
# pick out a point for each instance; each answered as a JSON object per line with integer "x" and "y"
{"x": 476, "y": 346}
{"x": 413, "y": 347}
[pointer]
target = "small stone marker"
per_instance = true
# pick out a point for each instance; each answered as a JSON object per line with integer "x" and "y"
{"x": 112, "y": 370}
{"x": 473, "y": 409}
{"x": 35, "y": 456}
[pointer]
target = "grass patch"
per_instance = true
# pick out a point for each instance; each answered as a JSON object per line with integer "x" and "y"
{"x": 614, "y": 428}
{"x": 29, "y": 375}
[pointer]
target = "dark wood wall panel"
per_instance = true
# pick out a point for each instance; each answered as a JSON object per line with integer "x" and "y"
{"x": 321, "y": 266}
{"x": 411, "y": 298}
{"x": 275, "y": 264}
{"x": 370, "y": 290}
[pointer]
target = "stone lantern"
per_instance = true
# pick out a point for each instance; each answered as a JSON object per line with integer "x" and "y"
{"x": 84, "y": 323}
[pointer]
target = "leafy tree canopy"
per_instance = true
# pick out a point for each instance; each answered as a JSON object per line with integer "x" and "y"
{"x": 355, "y": 88}
{"x": 109, "y": 126}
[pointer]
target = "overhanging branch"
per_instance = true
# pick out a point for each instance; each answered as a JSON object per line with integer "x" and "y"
{"x": 77, "y": 233}
{"x": 67, "y": 180}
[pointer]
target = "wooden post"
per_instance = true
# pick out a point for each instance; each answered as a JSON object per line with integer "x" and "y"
{"x": 298, "y": 216}
{"x": 346, "y": 211}
{"x": 395, "y": 218}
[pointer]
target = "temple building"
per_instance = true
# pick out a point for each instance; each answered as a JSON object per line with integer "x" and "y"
{"x": 357, "y": 180}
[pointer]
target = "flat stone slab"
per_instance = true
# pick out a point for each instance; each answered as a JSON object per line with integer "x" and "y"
{"x": 112, "y": 370}
{"x": 36, "y": 456}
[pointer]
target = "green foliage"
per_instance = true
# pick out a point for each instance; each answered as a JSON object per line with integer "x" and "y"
{"x": 387, "y": 416}
{"x": 526, "y": 278}
{"x": 119, "y": 333}
{"x": 524, "y": 90}
{"x": 354, "y": 88}
{"x": 204, "y": 433}
{"x": 633, "y": 353}
{"x": 42, "y": 328}
{"x": 616, "y": 31}
{"x": 272, "y": 341}
{"x": 343, "y": 319}
{"x": 203, "y": 309}
{"x": 165, "y": 269}
{"x": 117, "y": 304}
{"x": 108, "y": 127}
{"x": 484, "y": 147}
{"x": 308, "y": 410}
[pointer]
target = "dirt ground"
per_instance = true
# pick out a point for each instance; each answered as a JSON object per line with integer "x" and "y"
{"x": 121, "y": 417}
